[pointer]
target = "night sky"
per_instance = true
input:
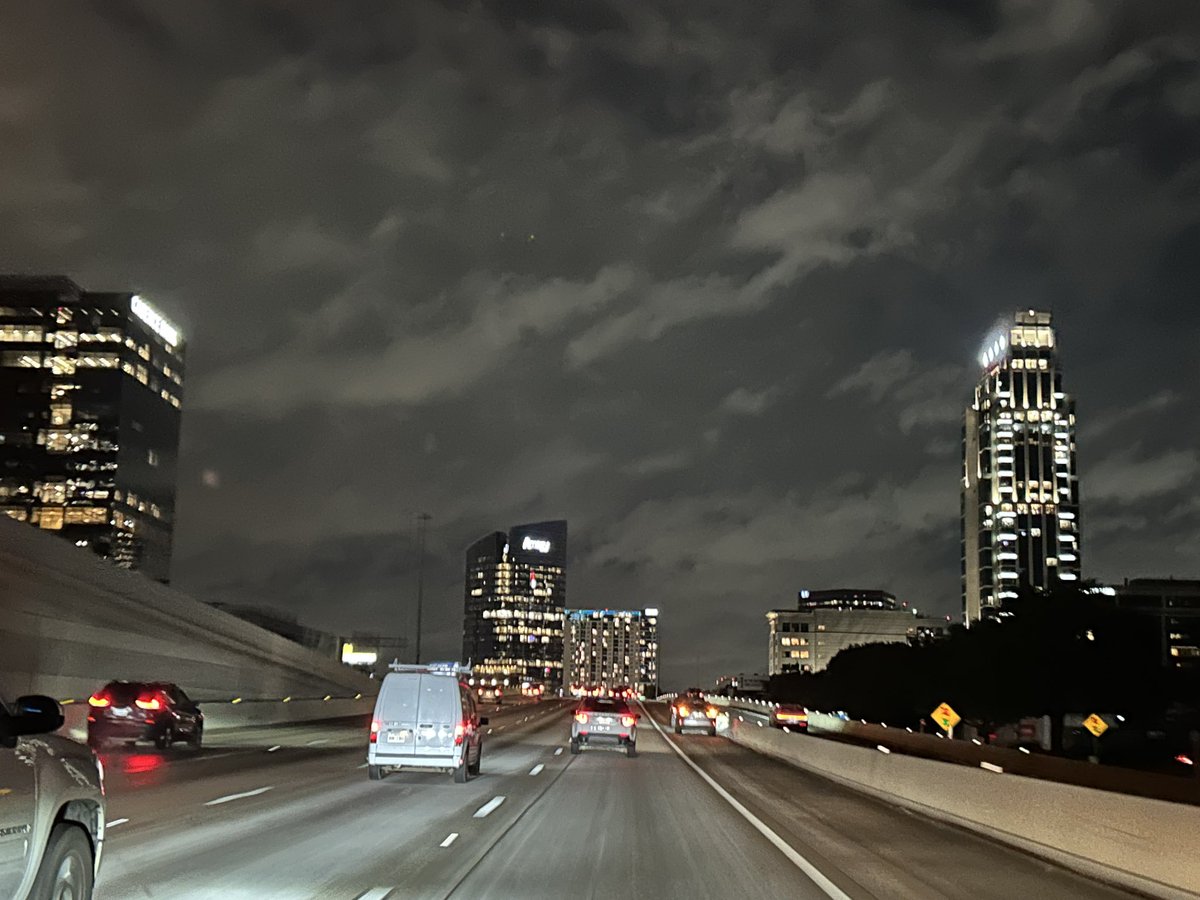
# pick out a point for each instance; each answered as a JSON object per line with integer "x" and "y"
{"x": 706, "y": 279}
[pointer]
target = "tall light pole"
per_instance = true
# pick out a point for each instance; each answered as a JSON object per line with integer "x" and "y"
{"x": 422, "y": 519}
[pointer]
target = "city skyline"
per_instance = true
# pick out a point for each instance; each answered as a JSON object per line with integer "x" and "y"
{"x": 715, "y": 299}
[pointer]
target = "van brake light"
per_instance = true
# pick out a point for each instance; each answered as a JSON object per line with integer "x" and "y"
{"x": 628, "y": 721}
{"x": 581, "y": 718}
{"x": 374, "y": 731}
{"x": 460, "y": 731}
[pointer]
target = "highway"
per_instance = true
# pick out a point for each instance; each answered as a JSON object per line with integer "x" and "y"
{"x": 289, "y": 813}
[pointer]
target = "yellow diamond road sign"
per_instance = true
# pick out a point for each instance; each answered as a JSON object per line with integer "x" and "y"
{"x": 945, "y": 716}
{"x": 1095, "y": 725}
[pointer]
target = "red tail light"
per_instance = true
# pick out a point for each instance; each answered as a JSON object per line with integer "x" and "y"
{"x": 374, "y": 739}
{"x": 628, "y": 721}
{"x": 460, "y": 732}
{"x": 581, "y": 718}
{"x": 149, "y": 701}
{"x": 100, "y": 700}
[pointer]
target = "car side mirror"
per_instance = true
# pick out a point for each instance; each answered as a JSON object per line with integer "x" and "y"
{"x": 34, "y": 714}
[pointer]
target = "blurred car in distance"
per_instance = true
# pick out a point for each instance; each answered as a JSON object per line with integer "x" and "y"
{"x": 789, "y": 715}
{"x": 132, "y": 711}
{"x": 51, "y": 806}
{"x": 605, "y": 722}
{"x": 692, "y": 710}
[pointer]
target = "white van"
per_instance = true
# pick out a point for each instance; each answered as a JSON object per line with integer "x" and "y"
{"x": 425, "y": 718}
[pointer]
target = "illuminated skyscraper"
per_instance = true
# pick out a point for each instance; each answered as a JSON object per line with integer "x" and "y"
{"x": 516, "y": 592}
{"x": 90, "y": 393}
{"x": 611, "y": 648}
{"x": 1020, "y": 488}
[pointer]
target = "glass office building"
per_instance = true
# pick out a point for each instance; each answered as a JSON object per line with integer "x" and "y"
{"x": 91, "y": 386}
{"x": 1020, "y": 487}
{"x": 516, "y": 592}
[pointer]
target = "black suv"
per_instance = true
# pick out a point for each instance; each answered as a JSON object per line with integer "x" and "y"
{"x": 134, "y": 711}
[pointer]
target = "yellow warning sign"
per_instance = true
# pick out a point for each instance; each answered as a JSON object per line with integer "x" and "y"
{"x": 1095, "y": 725}
{"x": 945, "y": 716}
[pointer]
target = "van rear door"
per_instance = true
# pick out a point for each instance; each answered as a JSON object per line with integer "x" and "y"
{"x": 396, "y": 710}
{"x": 437, "y": 715}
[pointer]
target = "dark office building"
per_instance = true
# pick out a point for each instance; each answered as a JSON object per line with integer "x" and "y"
{"x": 90, "y": 391}
{"x": 516, "y": 592}
{"x": 1174, "y": 605}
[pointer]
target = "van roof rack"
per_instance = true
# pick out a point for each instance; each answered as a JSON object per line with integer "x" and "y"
{"x": 431, "y": 668}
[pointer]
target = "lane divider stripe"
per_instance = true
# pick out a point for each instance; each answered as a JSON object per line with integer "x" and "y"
{"x": 814, "y": 874}
{"x": 450, "y": 839}
{"x": 488, "y": 808}
{"x": 241, "y": 796}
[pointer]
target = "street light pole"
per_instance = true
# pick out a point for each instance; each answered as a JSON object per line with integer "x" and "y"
{"x": 422, "y": 519}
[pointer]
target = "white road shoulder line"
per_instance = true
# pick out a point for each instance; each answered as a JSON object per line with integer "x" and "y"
{"x": 537, "y": 769}
{"x": 375, "y": 894}
{"x": 450, "y": 839}
{"x": 814, "y": 874}
{"x": 115, "y": 822}
{"x": 488, "y": 808}
{"x": 241, "y": 796}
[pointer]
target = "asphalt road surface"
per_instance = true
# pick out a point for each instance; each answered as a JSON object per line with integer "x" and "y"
{"x": 290, "y": 813}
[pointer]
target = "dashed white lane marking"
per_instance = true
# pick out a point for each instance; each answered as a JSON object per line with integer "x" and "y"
{"x": 536, "y": 769}
{"x": 241, "y": 796}
{"x": 115, "y": 822}
{"x": 814, "y": 874}
{"x": 318, "y": 741}
{"x": 375, "y": 894}
{"x": 273, "y": 749}
{"x": 450, "y": 839}
{"x": 558, "y": 751}
{"x": 488, "y": 808}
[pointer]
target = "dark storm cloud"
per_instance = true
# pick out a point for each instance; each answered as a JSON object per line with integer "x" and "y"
{"x": 706, "y": 281}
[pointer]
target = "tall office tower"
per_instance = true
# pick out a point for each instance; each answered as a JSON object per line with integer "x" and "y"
{"x": 1020, "y": 487}
{"x": 612, "y": 648}
{"x": 516, "y": 592}
{"x": 90, "y": 391}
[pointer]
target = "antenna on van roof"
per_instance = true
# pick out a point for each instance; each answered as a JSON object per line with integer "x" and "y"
{"x": 433, "y": 668}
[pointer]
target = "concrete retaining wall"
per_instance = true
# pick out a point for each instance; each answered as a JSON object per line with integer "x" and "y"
{"x": 70, "y": 621}
{"x": 1143, "y": 844}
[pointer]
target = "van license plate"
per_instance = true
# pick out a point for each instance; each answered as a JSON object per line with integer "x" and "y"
{"x": 396, "y": 737}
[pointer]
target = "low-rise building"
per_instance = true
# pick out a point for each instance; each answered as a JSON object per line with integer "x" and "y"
{"x": 805, "y": 639}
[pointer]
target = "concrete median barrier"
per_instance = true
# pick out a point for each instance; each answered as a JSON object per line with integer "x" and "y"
{"x": 1139, "y": 843}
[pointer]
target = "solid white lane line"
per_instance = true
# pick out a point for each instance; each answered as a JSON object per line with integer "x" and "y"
{"x": 488, "y": 808}
{"x": 536, "y": 769}
{"x": 814, "y": 874}
{"x": 375, "y": 894}
{"x": 558, "y": 751}
{"x": 115, "y": 822}
{"x": 273, "y": 749}
{"x": 450, "y": 839}
{"x": 241, "y": 796}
